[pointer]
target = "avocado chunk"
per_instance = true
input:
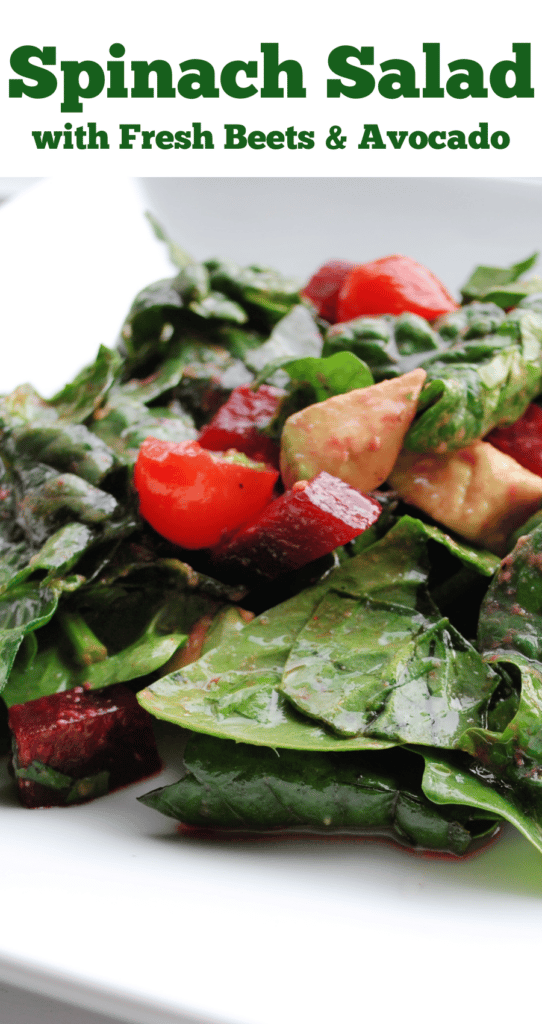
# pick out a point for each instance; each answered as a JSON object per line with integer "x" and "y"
{"x": 479, "y": 492}
{"x": 356, "y": 436}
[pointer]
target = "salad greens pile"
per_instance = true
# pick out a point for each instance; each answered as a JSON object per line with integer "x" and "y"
{"x": 395, "y": 686}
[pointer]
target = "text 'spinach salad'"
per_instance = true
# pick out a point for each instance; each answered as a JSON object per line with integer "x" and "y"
{"x": 303, "y": 526}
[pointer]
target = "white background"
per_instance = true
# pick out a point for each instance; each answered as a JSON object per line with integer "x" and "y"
{"x": 219, "y": 32}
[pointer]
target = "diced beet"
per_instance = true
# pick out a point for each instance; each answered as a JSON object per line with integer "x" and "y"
{"x": 324, "y": 287}
{"x": 99, "y": 740}
{"x": 239, "y": 422}
{"x": 305, "y": 523}
{"x": 522, "y": 440}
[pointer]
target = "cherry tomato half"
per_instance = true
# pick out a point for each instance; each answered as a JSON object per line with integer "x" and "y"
{"x": 522, "y": 440}
{"x": 394, "y": 284}
{"x": 324, "y": 287}
{"x": 196, "y": 498}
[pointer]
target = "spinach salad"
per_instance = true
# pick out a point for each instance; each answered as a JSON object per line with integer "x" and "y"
{"x": 390, "y": 685}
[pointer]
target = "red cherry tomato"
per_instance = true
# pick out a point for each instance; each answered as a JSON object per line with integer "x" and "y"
{"x": 394, "y": 284}
{"x": 196, "y": 498}
{"x": 522, "y": 440}
{"x": 324, "y": 287}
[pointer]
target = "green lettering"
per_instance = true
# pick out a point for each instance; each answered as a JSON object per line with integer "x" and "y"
{"x": 256, "y": 140}
{"x": 456, "y": 140}
{"x": 236, "y": 136}
{"x": 141, "y": 89}
{"x": 372, "y": 139}
{"x": 401, "y": 84}
{"x": 127, "y": 135}
{"x": 202, "y": 83}
{"x": 45, "y": 80}
{"x": 397, "y": 138}
{"x": 433, "y": 89}
{"x": 418, "y": 140}
{"x": 202, "y": 140}
{"x": 479, "y": 140}
{"x": 228, "y": 78}
{"x": 520, "y": 68}
{"x": 433, "y": 140}
{"x": 469, "y": 84}
{"x": 164, "y": 140}
{"x": 338, "y": 63}
{"x": 275, "y": 140}
{"x": 73, "y": 90}
{"x": 182, "y": 140}
{"x": 500, "y": 140}
{"x": 271, "y": 71}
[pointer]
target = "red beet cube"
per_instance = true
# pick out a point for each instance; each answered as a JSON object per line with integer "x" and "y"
{"x": 305, "y": 523}
{"x": 239, "y": 422}
{"x": 522, "y": 440}
{"x": 70, "y": 747}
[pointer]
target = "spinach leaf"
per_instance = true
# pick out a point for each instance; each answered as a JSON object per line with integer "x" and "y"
{"x": 388, "y": 673}
{"x": 229, "y": 785}
{"x": 445, "y": 783}
{"x": 313, "y": 380}
{"x": 217, "y": 306}
{"x": 25, "y": 608}
{"x": 377, "y": 659}
{"x": 294, "y": 337}
{"x": 510, "y": 639}
{"x": 266, "y": 295}
{"x": 233, "y": 690}
{"x": 193, "y": 285}
{"x": 499, "y": 284}
{"x": 462, "y": 401}
{"x": 240, "y": 689}
{"x": 389, "y": 345}
{"x": 67, "y": 447}
{"x": 64, "y": 494}
{"x": 78, "y": 399}
{"x": 510, "y": 616}
{"x": 125, "y": 423}
{"x": 476, "y": 320}
{"x": 72, "y": 790}
{"x": 178, "y": 256}
{"x": 58, "y": 555}
{"x": 317, "y": 379}
{"x": 371, "y": 339}
{"x": 24, "y": 406}
{"x": 148, "y": 326}
{"x": 55, "y": 668}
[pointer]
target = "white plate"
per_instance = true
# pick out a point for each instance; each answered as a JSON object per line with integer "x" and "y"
{"x": 105, "y": 905}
